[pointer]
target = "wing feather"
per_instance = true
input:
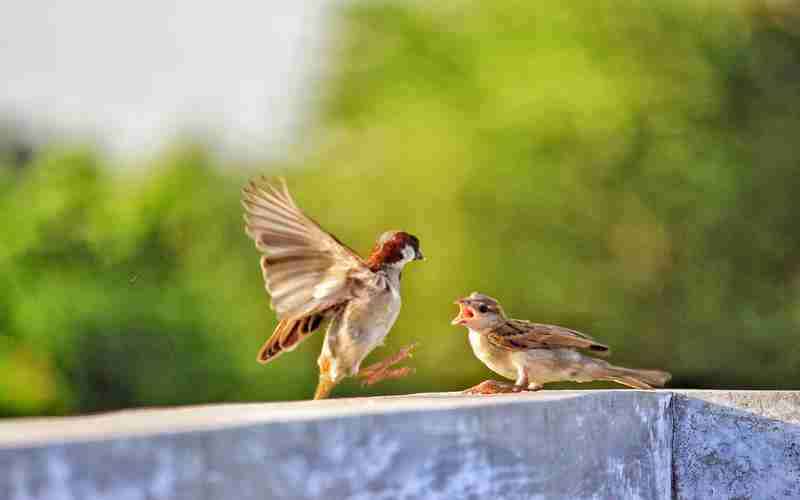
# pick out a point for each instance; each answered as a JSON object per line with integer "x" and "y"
{"x": 306, "y": 269}
{"x": 289, "y": 334}
{"x": 520, "y": 335}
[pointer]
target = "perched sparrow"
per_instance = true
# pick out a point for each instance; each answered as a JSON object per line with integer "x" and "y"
{"x": 533, "y": 354}
{"x": 313, "y": 277}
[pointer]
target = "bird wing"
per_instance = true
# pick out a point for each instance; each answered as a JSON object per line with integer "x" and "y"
{"x": 306, "y": 269}
{"x": 290, "y": 333}
{"x": 520, "y": 335}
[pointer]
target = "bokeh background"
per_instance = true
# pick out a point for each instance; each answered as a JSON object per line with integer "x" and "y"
{"x": 626, "y": 168}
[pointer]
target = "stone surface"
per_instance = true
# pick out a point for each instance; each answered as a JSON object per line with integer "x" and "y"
{"x": 736, "y": 444}
{"x": 552, "y": 444}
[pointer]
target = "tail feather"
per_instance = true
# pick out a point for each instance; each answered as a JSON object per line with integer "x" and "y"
{"x": 639, "y": 379}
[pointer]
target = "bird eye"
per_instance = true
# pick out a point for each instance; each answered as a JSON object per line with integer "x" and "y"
{"x": 483, "y": 309}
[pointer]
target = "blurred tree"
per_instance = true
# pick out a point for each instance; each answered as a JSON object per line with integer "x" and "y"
{"x": 16, "y": 151}
{"x": 624, "y": 168}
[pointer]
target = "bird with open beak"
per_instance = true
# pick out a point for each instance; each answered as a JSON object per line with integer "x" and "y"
{"x": 533, "y": 354}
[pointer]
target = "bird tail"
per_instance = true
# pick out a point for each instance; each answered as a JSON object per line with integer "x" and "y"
{"x": 638, "y": 379}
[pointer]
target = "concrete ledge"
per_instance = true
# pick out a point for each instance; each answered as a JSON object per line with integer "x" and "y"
{"x": 736, "y": 444}
{"x": 551, "y": 444}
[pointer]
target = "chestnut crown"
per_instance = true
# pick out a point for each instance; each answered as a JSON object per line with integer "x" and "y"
{"x": 394, "y": 248}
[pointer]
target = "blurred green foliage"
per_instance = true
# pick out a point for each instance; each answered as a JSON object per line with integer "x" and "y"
{"x": 624, "y": 168}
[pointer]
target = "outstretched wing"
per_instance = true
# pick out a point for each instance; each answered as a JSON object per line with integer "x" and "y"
{"x": 520, "y": 335}
{"x": 306, "y": 270}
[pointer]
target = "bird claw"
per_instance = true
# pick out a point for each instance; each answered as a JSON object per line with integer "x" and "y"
{"x": 380, "y": 376}
{"x": 382, "y": 370}
{"x": 492, "y": 387}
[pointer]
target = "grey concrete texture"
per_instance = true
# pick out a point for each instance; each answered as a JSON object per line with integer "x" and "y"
{"x": 552, "y": 445}
{"x": 736, "y": 444}
{"x": 622, "y": 444}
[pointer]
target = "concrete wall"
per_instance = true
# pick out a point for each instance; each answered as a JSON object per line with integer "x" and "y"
{"x": 551, "y": 444}
{"x": 736, "y": 444}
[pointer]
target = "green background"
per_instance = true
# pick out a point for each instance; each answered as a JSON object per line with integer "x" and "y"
{"x": 628, "y": 169}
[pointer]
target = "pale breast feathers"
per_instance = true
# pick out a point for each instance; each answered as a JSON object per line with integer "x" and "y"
{"x": 520, "y": 335}
{"x": 306, "y": 270}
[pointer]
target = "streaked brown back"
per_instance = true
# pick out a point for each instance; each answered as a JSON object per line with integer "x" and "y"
{"x": 521, "y": 335}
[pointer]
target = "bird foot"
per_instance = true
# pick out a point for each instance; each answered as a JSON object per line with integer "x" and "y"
{"x": 493, "y": 387}
{"x": 382, "y": 370}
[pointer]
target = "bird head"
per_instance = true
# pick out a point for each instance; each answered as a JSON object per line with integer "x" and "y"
{"x": 478, "y": 312}
{"x": 395, "y": 249}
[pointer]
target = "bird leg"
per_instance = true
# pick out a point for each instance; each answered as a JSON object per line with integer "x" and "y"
{"x": 324, "y": 387}
{"x": 522, "y": 380}
{"x": 491, "y": 387}
{"x": 382, "y": 370}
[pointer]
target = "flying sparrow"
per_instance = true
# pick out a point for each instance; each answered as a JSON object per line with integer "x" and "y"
{"x": 533, "y": 354}
{"x": 313, "y": 277}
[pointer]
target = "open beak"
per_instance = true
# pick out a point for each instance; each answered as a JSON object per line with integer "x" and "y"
{"x": 465, "y": 313}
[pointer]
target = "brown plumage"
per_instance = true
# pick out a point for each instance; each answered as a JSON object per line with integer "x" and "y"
{"x": 288, "y": 334}
{"x": 533, "y": 354}
{"x": 518, "y": 334}
{"x": 307, "y": 272}
{"x": 312, "y": 277}
{"x": 390, "y": 250}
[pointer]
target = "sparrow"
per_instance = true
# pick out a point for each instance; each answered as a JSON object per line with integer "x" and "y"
{"x": 312, "y": 277}
{"x": 533, "y": 354}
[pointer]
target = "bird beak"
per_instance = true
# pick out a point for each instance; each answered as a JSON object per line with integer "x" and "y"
{"x": 464, "y": 313}
{"x": 419, "y": 255}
